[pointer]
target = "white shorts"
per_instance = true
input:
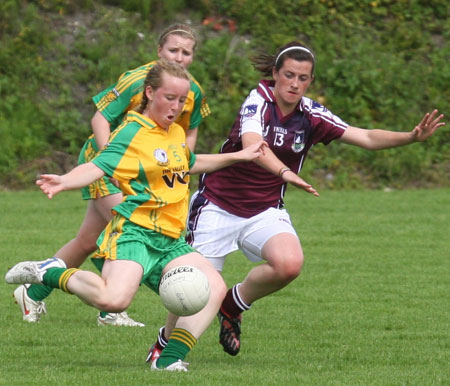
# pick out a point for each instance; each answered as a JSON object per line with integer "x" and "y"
{"x": 218, "y": 233}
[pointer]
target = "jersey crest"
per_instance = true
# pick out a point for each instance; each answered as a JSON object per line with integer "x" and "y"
{"x": 299, "y": 141}
{"x": 161, "y": 157}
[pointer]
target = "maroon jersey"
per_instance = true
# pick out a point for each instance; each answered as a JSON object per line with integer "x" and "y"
{"x": 246, "y": 189}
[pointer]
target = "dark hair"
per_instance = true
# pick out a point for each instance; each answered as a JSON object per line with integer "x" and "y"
{"x": 177, "y": 29}
{"x": 265, "y": 63}
{"x": 154, "y": 78}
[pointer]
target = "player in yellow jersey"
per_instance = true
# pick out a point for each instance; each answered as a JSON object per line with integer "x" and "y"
{"x": 177, "y": 43}
{"x": 149, "y": 158}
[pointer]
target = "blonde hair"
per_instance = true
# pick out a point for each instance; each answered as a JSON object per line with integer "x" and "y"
{"x": 154, "y": 78}
{"x": 177, "y": 29}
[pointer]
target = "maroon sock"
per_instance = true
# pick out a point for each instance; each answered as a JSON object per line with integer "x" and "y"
{"x": 233, "y": 305}
{"x": 161, "y": 342}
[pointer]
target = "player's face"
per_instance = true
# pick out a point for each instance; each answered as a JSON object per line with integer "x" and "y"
{"x": 167, "y": 101}
{"x": 177, "y": 49}
{"x": 291, "y": 83}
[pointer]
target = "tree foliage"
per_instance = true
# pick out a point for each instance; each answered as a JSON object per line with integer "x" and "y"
{"x": 380, "y": 64}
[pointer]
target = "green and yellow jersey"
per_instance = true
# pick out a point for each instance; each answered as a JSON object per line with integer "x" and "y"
{"x": 152, "y": 168}
{"x": 126, "y": 95}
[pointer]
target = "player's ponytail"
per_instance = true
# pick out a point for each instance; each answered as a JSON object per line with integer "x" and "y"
{"x": 265, "y": 63}
{"x": 143, "y": 104}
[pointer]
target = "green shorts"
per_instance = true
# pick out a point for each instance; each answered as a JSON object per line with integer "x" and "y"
{"x": 102, "y": 187}
{"x": 124, "y": 240}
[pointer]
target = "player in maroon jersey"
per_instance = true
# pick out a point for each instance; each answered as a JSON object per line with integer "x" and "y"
{"x": 241, "y": 207}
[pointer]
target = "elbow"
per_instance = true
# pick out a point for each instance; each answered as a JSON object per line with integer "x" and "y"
{"x": 370, "y": 147}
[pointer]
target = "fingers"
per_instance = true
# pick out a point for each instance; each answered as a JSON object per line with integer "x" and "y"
{"x": 423, "y": 122}
{"x": 428, "y": 125}
{"x": 302, "y": 184}
{"x": 47, "y": 184}
{"x": 432, "y": 115}
{"x": 256, "y": 150}
{"x": 264, "y": 145}
{"x": 431, "y": 120}
{"x": 311, "y": 190}
{"x": 436, "y": 122}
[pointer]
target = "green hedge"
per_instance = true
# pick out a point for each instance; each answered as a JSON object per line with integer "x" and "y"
{"x": 380, "y": 64}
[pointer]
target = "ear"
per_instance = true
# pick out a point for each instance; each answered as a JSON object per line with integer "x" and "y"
{"x": 159, "y": 51}
{"x": 274, "y": 74}
{"x": 149, "y": 93}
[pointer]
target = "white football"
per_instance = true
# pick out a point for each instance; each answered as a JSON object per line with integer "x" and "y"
{"x": 184, "y": 290}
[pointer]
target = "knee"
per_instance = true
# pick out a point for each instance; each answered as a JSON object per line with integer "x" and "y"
{"x": 289, "y": 268}
{"x": 109, "y": 304}
{"x": 218, "y": 288}
{"x": 87, "y": 243}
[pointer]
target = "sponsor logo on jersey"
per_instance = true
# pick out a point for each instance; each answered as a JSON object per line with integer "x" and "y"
{"x": 250, "y": 111}
{"x": 299, "y": 143}
{"x": 180, "y": 177}
{"x": 278, "y": 129}
{"x": 161, "y": 157}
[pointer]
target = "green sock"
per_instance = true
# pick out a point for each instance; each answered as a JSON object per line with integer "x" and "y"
{"x": 38, "y": 292}
{"x": 58, "y": 277}
{"x": 180, "y": 343}
{"x": 51, "y": 277}
{"x": 103, "y": 313}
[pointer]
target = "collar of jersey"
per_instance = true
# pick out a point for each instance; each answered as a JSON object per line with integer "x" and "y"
{"x": 149, "y": 65}
{"x": 141, "y": 119}
{"x": 265, "y": 90}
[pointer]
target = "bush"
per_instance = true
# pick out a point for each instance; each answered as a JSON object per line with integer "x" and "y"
{"x": 380, "y": 64}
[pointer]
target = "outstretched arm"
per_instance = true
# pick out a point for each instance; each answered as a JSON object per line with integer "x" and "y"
{"x": 384, "y": 139}
{"x": 207, "y": 163}
{"x": 272, "y": 163}
{"x": 78, "y": 177}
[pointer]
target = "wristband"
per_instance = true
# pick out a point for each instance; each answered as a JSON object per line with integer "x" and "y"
{"x": 282, "y": 170}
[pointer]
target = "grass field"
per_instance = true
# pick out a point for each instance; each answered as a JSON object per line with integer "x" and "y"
{"x": 371, "y": 307}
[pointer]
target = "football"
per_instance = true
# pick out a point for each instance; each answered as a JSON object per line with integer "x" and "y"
{"x": 184, "y": 290}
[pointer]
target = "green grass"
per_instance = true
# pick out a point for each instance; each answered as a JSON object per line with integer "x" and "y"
{"x": 371, "y": 307}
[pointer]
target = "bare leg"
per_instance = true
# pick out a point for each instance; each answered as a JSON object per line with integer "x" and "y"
{"x": 284, "y": 258}
{"x": 113, "y": 291}
{"x": 98, "y": 214}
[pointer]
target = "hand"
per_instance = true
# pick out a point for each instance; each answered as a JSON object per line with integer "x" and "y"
{"x": 50, "y": 184}
{"x": 427, "y": 126}
{"x": 295, "y": 180}
{"x": 254, "y": 151}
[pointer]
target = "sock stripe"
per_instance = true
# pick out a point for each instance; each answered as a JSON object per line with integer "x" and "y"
{"x": 183, "y": 336}
{"x": 161, "y": 339}
{"x": 238, "y": 300}
{"x": 64, "y": 278}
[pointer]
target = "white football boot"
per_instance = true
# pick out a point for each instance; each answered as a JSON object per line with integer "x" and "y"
{"x": 31, "y": 309}
{"x": 32, "y": 272}
{"x": 179, "y": 365}
{"x": 121, "y": 319}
